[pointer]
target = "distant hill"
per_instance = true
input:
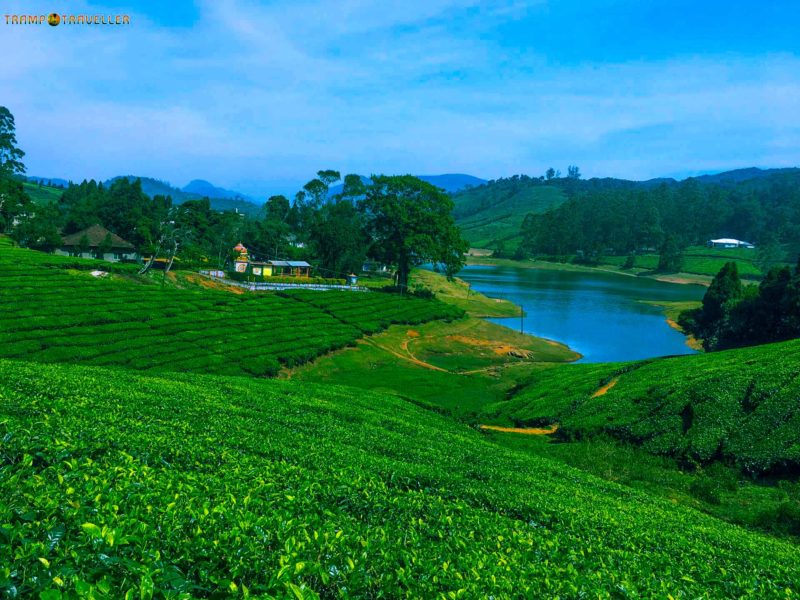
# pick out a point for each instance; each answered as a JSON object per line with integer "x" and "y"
{"x": 493, "y": 212}
{"x": 453, "y": 182}
{"x": 50, "y": 181}
{"x": 201, "y": 187}
{"x": 449, "y": 182}
{"x": 153, "y": 187}
{"x": 741, "y": 175}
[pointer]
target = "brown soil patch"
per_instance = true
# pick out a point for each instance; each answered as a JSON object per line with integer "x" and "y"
{"x": 499, "y": 348}
{"x": 604, "y": 390}
{"x": 523, "y": 430}
{"x": 691, "y": 341}
{"x": 412, "y": 333}
{"x": 212, "y": 284}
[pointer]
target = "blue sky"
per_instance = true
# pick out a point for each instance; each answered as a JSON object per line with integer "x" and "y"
{"x": 258, "y": 96}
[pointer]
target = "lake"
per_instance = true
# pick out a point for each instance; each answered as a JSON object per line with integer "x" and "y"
{"x": 597, "y": 314}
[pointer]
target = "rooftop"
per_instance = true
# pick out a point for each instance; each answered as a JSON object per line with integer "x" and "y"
{"x": 95, "y": 235}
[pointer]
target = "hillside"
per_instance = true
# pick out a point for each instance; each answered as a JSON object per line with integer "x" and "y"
{"x": 451, "y": 182}
{"x": 41, "y": 195}
{"x": 201, "y": 187}
{"x": 208, "y": 487}
{"x": 55, "y": 310}
{"x": 737, "y": 406}
{"x": 154, "y": 187}
{"x": 495, "y": 211}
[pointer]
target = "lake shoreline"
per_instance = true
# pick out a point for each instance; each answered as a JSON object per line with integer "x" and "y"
{"x": 588, "y": 312}
{"x": 676, "y": 278}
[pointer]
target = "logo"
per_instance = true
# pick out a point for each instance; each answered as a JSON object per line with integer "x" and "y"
{"x": 55, "y": 19}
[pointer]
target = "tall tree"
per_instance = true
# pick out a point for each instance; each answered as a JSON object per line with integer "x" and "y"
{"x": 410, "y": 222}
{"x": 671, "y": 256}
{"x": 10, "y": 154}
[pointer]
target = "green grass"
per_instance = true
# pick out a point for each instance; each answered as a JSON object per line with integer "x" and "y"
{"x": 50, "y": 312}
{"x": 699, "y": 260}
{"x": 42, "y": 195}
{"x": 116, "y": 483}
{"x": 458, "y": 293}
{"x": 496, "y": 211}
{"x": 409, "y": 362}
{"x": 737, "y": 406}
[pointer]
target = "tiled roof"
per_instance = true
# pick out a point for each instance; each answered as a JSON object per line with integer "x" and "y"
{"x": 95, "y": 234}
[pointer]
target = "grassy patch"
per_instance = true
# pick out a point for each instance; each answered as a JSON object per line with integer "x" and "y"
{"x": 455, "y": 367}
{"x": 459, "y": 293}
{"x": 42, "y": 195}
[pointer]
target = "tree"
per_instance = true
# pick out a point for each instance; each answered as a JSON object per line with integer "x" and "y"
{"x": 105, "y": 246}
{"x": 671, "y": 256}
{"x": 337, "y": 239}
{"x": 719, "y": 300}
{"x": 39, "y": 231}
{"x": 550, "y": 173}
{"x": 10, "y": 155}
{"x": 354, "y": 187}
{"x": 573, "y": 172}
{"x": 83, "y": 244}
{"x": 410, "y": 222}
{"x": 769, "y": 253}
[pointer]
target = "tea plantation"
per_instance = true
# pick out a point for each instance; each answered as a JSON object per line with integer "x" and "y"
{"x": 53, "y": 310}
{"x": 121, "y": 484}
{"x": 738, "y": 406}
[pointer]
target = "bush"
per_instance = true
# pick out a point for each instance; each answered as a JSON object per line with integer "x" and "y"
{"x": 706, "y": 489}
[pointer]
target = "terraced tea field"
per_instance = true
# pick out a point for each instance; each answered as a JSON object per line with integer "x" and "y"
{"x": 52, "y": 309}
{"x": 738, "y": 406}
{"x": 121, "y": 484}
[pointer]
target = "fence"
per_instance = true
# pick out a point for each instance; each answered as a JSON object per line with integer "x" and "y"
{"x": 273, "y": 287}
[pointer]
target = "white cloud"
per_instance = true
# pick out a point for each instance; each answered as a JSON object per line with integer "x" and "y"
{"x": 254, "y": 93}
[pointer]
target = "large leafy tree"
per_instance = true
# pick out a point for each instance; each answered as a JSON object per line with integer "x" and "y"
{"x": 10, "y": 154}
{"x": 14, "y": 202}
{"x": 338, "y": 239}
{"x": 410, "y": 222}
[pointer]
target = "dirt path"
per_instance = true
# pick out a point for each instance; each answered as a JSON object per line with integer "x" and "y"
{"x": 523, "y": 430}
{"x": 408, "y": 357}
{"x": 604, "y": 390}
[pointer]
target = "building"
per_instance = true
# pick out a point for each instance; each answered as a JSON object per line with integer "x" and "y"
{"x": 97, "y": 242}
{"x": 244, "y": 264}
{"x": 370, "y": 266}
{"x": 728, "y": 243}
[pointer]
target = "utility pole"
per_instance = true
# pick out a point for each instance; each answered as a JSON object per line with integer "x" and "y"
{"x": 521, "y": 318}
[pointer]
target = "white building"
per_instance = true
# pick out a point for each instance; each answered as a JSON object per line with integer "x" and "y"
{"x": 728, "y": 243}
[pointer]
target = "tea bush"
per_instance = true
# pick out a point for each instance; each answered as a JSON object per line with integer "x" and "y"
{"x": 738, "y": 406}
{"x": 50, "y": 312}
{"x": 116, "y": 484}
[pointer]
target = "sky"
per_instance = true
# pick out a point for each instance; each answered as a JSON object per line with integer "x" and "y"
{"x": 258, "y": 96}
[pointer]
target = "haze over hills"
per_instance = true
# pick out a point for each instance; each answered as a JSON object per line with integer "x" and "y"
{"x": 449, "y": 182}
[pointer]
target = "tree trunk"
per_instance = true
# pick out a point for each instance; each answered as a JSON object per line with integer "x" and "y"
{"x": 403, "y": 271}
{"x": 171, "y": 259}
{"x": 150, "y": 262}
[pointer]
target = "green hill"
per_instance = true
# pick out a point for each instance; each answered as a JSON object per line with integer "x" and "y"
{"x": 738, "y": 406}
{"x": 119, "y": 484}
{"x": 495, "y": 211}
{"x": 41, "y": 195}
{"x": 52, "y": 309}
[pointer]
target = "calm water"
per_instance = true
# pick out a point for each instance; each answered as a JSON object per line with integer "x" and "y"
{"x": 596, "y": 314}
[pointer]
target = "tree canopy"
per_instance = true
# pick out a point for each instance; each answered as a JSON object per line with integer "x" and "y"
{"x": 410, "y": 222}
